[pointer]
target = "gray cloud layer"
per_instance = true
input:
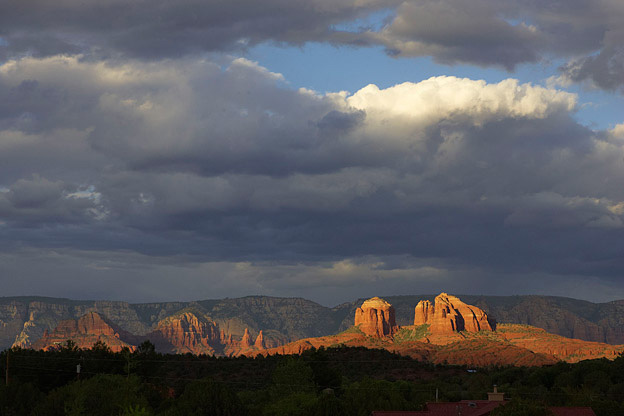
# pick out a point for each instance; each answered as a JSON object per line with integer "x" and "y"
{"x": 189, "y": 168}
{"x": 587, "y": 34}
{"x": 165, "y": 28}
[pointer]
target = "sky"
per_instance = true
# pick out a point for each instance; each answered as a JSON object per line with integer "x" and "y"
{"x": 327, "y": 149}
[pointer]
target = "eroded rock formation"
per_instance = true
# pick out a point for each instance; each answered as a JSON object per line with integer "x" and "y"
{"x": 182, "y": 333}
{"x": 191, "y": 331}
{"x": 186, "y": 333}
{"x": 449, "y": 315}
{"x": 376, "y": 318}
{"x": 84, "y": 332}
{"x": 246, "y": 341}
{"x": 424, "y": 312}
{"x": 259, "y": 344}
{"x": 24, "y": 319}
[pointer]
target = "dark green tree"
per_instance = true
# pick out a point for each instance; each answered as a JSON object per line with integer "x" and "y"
{"x": 101, "y": 395}
{"x": 18, "y": 399}
{"x": 361, "y": 398}
{"x": 207, "y": 398}
{"x": 146, "y": 348}
{"x": 328, "y": 405}
{"x": 293, "y": 376}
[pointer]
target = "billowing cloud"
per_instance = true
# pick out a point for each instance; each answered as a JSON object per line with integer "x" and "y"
{"x": 491, "y": 33}
{"x": 218, "y": 170}
{"x": 603, "y": 70}
{"x": 586, "y": 34}
{"x": 454, "y": 31}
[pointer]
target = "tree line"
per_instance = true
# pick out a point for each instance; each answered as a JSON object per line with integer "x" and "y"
{"x": 326, "y": 381}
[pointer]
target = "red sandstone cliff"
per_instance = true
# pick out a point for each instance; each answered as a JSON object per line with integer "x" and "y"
{"x": 449, "y": 315}
{"x": 510, "y": 344}
{"x": 186, "y": 333}
{"x": 376, "y": 318}
{"x": 84, "y": 332}
{"x": 182, "y": 333}
{"x": 246, "y": 345}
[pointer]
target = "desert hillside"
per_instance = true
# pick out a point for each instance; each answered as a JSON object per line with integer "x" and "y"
{"x": 25, "y": 320}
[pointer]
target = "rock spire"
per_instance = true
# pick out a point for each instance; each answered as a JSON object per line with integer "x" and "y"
{"x": 449, "y": 314}
{"x": 376, "y": 318}
{"x": 259, "y": 344}
{"x": 246, "y": 341}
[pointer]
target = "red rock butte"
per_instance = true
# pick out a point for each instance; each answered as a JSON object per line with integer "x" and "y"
{"x": 376, "y": 318}
{"x": 449, "y": 314}
{"x": 186, "y": 333}
{"x": 85, "y": 332}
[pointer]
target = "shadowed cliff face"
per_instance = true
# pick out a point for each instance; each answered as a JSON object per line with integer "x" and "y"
{"x": 23, "y": 320}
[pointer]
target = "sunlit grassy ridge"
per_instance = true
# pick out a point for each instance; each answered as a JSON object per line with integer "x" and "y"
{"x": 417, "y": 333}
{"x": 352, "y": 330}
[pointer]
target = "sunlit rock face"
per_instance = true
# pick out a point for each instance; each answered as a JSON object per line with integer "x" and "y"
{"x": 246, "y": 341}
{"x": 186, "y": 333}
{"x": 448, "y": 314}
{"x": 181, "y": 333}
{"x": 376, "y": 318}
{"x": 424, "y": 313}
{"x": 84, "y": 332}
{"x": 259, "y": 344}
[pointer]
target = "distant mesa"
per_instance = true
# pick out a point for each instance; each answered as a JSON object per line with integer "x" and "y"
{"x": 449, "y": 314}
{"x": 376, "y": 318}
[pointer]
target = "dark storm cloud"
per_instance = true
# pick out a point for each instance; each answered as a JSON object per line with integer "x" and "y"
{"x": 226, "y": 170}
{"x": 128, "y": 157}
{"x": 165, "y": 28}
{"x": 586, "y": 33}
{"x": 456, "y": 31}
{"x": 487, "y": 32}
{"x": 35, "y": 201}
{"x": 604, "y": 70}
